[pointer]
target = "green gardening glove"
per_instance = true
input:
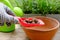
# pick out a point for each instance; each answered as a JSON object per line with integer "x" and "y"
{"x": 6, "y": 15}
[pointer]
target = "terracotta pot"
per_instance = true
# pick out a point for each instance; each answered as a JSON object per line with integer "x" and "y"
{"x": 45, "y": 32}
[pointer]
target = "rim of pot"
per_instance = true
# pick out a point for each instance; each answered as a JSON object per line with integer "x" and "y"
{"x": 57, "y": 26}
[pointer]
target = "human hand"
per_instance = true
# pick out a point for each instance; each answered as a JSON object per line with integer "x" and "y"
{"x": 6, "y": 15}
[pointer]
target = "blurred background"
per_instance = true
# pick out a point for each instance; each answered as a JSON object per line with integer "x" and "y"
{"x": 38, "y": 6}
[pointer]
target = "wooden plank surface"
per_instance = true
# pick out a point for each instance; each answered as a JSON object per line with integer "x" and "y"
{"x": 19, "y": 34}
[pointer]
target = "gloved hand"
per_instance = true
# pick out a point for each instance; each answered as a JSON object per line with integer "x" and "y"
{"x": 6, "y": 15}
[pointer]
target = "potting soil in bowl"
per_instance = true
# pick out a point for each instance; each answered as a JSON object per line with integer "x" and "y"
{"x": 30, "y": 22}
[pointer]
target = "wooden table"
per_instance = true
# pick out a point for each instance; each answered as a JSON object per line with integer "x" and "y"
{"x": 19, "y": 34}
